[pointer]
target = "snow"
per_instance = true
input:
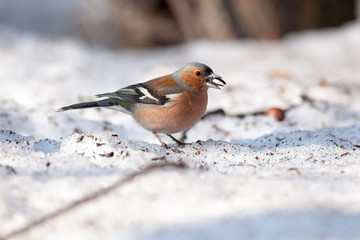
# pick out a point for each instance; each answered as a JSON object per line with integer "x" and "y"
{"x": 247, "y": 175}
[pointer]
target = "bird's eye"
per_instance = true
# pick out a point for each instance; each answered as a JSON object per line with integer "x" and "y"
{"x": 197, "y": 73}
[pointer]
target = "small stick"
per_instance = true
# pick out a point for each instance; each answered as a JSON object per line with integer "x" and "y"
{"x": 75, "y": 204}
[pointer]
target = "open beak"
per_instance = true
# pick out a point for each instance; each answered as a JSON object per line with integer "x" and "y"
{"x": 215, "y": 81}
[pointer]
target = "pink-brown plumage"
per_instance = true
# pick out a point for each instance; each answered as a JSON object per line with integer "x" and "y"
{"x": 181, "y": 113}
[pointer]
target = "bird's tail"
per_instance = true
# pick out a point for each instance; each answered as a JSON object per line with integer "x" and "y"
{"x": 101, "y": 103}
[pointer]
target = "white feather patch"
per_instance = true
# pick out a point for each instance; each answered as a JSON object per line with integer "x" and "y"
{"x": 147, "y": 94}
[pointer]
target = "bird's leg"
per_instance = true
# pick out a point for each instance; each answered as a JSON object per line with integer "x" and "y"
{"x": 179, "y": 143}
{"x": 160, "y": 140}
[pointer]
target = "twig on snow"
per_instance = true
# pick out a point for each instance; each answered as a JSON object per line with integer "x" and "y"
{"x": 91, "y": 197}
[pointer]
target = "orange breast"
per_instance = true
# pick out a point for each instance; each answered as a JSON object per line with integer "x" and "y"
{"x": 181, "y": 113}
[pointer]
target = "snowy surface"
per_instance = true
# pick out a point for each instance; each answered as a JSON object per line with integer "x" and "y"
{"x": 247, "y": 175}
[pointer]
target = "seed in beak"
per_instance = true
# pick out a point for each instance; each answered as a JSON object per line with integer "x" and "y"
{"x": 218, "y": 82}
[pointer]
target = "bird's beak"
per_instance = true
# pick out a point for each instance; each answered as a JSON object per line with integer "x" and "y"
{"x": 215, "y": 81}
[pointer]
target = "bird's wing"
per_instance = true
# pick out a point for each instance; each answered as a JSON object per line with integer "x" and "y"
{"x": 157, "y": 91}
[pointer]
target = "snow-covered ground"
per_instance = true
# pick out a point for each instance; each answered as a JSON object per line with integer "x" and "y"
{"x": 247, "y": 175}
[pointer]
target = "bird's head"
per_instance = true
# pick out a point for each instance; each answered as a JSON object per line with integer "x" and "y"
{"x": 196, "y": 76}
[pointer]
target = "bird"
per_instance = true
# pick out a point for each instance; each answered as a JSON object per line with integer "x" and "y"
{"x": 167, "y": 104}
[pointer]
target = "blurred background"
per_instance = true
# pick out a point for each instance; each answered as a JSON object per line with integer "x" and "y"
{"x": 148, "y": 23}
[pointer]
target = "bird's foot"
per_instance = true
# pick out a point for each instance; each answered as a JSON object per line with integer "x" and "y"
{"x": 179, "y": 143}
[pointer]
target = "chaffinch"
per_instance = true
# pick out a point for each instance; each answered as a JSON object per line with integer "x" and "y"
{"x": 167, "y": 104}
